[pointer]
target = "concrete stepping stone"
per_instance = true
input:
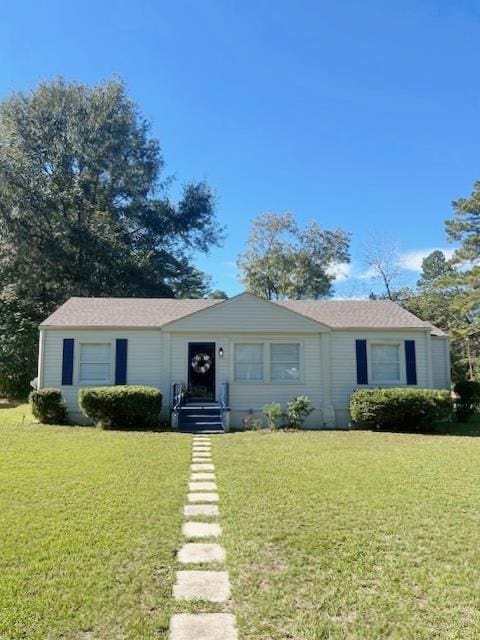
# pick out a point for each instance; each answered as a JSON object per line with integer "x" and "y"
{"x": 201, "y": 510}
{"x": 202, "y": 486}
{"x": 202, "y": 476}
{"x": 201, "y": 449}
{"x": 196, "y": 460}
{"x": 210, "y": 586}
{"x": 202, "y": 466}
{"x": 202, "y": 440}
{"x": 202, "y": 454}
{"x": 201, "y": 530}
{"x": 203, "y": 626}
{"x": 202, "y": 497}
{"x": 201, "y": 552}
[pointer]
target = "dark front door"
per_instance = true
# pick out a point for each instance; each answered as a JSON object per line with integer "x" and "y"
{"x": 201, "y": 370}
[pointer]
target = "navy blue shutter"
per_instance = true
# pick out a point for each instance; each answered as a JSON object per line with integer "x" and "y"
{"x": 121, "y": 361}
{"x": 362, "y": 366}
{"x": 67, "y": 361}
{"x": 410, "y": 362}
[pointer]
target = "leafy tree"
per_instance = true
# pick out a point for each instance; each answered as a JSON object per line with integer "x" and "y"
{"x": 436, "y": 300}
{"x": 217, "y": 294}
{"x": 83, "y": 210}
{"x": 434, "y": 267}
{"x": 464, "y": 228}
{"x": 284, "y": 261}
{"x": 18, "y": 348}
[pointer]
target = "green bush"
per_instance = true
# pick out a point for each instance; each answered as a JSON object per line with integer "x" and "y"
{"x": 48, "y": 406}
{"x": 273, "y": 413}
{"x": 469, "y": 400}
{"x": 297, "y": 411}
{"x": 399, "y": 409}
{"x": 123, "y": 406}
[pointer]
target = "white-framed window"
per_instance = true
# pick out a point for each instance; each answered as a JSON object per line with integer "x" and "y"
{"x": 284, "y": 361}
{"x": 95, "y": 362}
{"x": 248, "y": 362}
{"x": 385, "y": 362}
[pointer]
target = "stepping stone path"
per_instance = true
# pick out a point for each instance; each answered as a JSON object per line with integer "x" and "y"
{"x": 211, "y": 584}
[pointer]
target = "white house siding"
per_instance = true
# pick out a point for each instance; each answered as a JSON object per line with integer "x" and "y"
{"x": 247, "y": 399}
{"x": 343, "y": 367}
{"x": 144, "y": 362}
{"x": 245, "y": 314}
{"x": 440, "y": 363}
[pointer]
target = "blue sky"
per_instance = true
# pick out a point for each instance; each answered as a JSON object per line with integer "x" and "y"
{"x": 360, "y": 114}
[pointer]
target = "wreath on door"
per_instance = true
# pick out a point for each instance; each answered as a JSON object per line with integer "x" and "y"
{"x": 201, "y": 362}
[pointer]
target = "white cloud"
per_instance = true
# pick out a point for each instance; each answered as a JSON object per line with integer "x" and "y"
{"x": 341, "y": 271}
{"x": 412, "y": 260}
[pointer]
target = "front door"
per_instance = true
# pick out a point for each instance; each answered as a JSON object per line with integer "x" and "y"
{"x": 201, "y": 371}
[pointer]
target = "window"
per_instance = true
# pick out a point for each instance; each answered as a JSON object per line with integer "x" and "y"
{"x": 385, "y": 362}
{"x": 248, "y": 362}
{"x": 284, "y": 361}
{"x": 95, "y": 362}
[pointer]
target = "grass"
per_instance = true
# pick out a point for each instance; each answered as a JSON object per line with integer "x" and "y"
{"x": 352, "y": 535}
{"x": 89, "y": 526}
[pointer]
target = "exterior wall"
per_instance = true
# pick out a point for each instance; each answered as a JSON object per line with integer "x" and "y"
{"x": 144, "y": 363}
{"x": 343, "y": 364}
{"x": 440, "y": 363}
{"x": 245, "y": 313}
{"x": 327, "y": 360}
{"x": 248, "y": 398}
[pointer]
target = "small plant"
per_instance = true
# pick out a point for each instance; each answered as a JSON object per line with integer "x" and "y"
{"x": 251, "y": 424}
{"x": 48, "y": 406}
{"x": 298, "y": 411}
{"x": 123, "y": 406}
{"x": 468, "y": 401}
{"x": 273, "y": 413}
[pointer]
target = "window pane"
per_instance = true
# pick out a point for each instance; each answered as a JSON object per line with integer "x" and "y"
{"x": 95, "y": 372}
{"x": 249, "y": 353}
{"x": 284, "y": 352}
{"x": 95, "y": 353}
{"x": 386, "y": 372}
{"x": 248, "y": 371}
{"x": 386, "y": 353}
{"x": 284, "y": 371}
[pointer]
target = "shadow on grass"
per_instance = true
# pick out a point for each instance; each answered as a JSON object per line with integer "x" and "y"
{"x": 6, "y": 403}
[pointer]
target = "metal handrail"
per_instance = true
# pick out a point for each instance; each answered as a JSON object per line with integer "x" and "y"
{"x": 179, "y": 396}
{"x": 224, "y": 401}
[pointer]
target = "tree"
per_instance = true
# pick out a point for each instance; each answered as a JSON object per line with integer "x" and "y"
{"x": 464, "y": 228}
{"x": 381, "y": 256}
{"x": 217, "y": 294}
{"x": 18, "y": 348}
{"x": 284, "y": 261}
{"x": 83, "y": 210}
{"x": 436, "y": 300}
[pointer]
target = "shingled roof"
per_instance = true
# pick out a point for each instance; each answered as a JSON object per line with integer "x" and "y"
{"x": 157, "y": 312}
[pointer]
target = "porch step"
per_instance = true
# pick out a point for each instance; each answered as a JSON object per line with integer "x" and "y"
{"x": 196, "y": 417}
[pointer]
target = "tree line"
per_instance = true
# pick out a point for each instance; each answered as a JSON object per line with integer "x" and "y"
{"x": 86, "y": 210}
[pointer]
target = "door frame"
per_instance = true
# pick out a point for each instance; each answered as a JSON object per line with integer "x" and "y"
{"x": 215, "y": 373}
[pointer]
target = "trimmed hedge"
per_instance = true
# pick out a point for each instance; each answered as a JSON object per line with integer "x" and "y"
{"x": 122, "y": 406}
{"x": 399, "y": 409}
{"x": 469, "y": 401}
{"x": 48, "y": 406}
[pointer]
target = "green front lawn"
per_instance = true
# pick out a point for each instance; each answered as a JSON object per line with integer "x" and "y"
{"x": 352, "y": 535}
{"x": 89, "y": 526}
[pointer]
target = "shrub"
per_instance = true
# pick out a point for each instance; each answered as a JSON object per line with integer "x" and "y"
{"x": 469, "y": 400}
{"x": 399, "y": 409}
{"x": 297, "y": 411}
{"x": 48, "y": 406}
{"x": 123, "y": 406}
{"x": 273, "y": 413}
